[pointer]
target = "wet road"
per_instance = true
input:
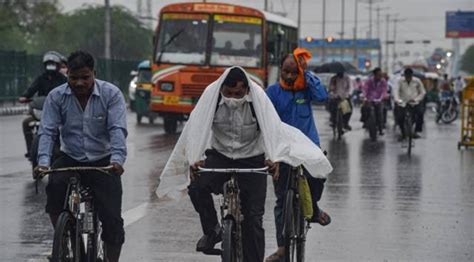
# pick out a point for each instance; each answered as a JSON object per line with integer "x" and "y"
{"x": 384, "y": 205}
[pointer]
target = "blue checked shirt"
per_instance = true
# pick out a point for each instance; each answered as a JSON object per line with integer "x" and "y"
{"x": 86, "y": 135}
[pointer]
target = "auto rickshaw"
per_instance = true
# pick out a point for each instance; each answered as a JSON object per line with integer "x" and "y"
{"x": 143, "y": 93}
{"x": 467, "y": 115}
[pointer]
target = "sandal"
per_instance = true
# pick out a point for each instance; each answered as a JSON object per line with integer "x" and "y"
{"x": 322, "y": 218}
{"x": 273, "y": 257}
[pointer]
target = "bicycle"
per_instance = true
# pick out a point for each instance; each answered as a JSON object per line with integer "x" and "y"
{"x": 408, "y": 125}
{"x": 231, "y": 216}
{"x": 296, "y": 225}
{"x": 78, "y": 229}
{"x": 371, "y": 122}
{"x": 337, "y": 126}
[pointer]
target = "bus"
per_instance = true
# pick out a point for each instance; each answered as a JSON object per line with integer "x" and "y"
{"x": 195, "y": 42}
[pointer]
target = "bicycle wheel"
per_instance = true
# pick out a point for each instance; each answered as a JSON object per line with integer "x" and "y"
{"x": 339, "y": 124}
{"x": 66, "y": 240}
{"x": 229, "y": 252}
{"x": 449, "y": 115}
{"x": 289, "y": 227}
{"x": 372, "y": 125}
{"x": 301, "y": 235}
{"x": 409, "y": 132}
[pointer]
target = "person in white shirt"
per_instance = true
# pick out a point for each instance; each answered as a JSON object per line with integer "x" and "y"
{"x": 410, "y": 92}
{"x": 235, "y": 143}
{"x": 459, "y": 85}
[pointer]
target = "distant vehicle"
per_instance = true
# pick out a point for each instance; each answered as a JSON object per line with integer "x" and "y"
{"x": 195, "y": 42}
{"x": 143, "y": 93}
{"x": 131, "y": 90}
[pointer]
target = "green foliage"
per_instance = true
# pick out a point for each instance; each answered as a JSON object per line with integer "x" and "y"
{"x": 467, "y": 62}
{"x": 38, "y": 26}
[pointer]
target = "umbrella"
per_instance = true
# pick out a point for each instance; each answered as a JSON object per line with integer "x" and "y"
{"x": 416, "y": 73}
{"x": 335, "y": 67}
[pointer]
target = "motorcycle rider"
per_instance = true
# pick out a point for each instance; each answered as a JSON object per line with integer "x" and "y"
{"x": 41, "y": 86}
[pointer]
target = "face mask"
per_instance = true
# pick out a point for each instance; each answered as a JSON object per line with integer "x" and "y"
{"x": 234, "y": 102}
{"x": 51, "y": 67}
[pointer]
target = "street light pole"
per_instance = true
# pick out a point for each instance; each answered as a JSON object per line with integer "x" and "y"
{"x": 355, "y": 59}
{"x": 107, "y": 53}
{"x": 323, "y": 55}
{"x": 378, "y": 9}
{"x": 342, "y": 28}
{"x": 387, "y": 28}
{"x": 299, "y": 19}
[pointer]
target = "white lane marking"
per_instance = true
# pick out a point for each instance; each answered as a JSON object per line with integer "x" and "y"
{"x": 133, "y": 215}
{"x": 130, "y": 216}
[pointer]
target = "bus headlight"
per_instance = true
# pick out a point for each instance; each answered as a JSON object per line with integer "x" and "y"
{"x": 166, "y": 86}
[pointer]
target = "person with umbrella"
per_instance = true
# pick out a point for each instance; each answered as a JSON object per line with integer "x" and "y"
{"x": 340, "y": 89}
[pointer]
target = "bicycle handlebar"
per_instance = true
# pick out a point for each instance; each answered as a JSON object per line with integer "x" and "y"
{"x": 105, "y": 169}
{"x": 262, "y": 170}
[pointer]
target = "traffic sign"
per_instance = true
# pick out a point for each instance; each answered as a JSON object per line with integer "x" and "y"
{"x": 460, "y": 24}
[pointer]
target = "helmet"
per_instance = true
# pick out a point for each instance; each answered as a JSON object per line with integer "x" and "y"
{"x": 52, "y": 56}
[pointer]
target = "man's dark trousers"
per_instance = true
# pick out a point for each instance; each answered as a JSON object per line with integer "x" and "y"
{"x": 253, "y": 189}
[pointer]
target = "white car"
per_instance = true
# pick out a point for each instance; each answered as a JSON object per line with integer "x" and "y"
{"x": 131, "y": 90}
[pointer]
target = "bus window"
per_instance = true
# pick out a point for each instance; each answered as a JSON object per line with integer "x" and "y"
{"x": 182, "y": 38}
{"x": 236, "y": 40}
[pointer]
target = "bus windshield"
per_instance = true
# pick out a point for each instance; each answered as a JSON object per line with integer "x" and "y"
{"x": 182, "y": 38}
{"x": 237, "y": 40}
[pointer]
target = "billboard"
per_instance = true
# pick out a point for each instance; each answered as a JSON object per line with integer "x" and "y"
{"x": 460, "y": 24}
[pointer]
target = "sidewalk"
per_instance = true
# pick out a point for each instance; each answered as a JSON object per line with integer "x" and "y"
{"x": 8, "y": 108}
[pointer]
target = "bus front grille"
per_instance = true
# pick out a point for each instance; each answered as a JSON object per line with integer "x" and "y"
{"x": 193, "y": 90}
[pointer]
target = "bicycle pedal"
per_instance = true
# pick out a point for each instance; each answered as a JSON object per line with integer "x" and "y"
{"x": 213, "y": 252}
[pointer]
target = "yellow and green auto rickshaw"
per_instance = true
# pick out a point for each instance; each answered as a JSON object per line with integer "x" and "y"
{"x": 142, "y": 92}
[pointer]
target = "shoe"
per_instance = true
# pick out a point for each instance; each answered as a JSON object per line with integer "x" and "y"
{"x": 207, "y": 242}
{"x": 321, "y": 218}
{"x": 381, "y": 133}
{"x": 348, "y": 127}
{"x": 275, "y": 257}
{"x": 415, "y": 136}
{"x": 401, "y": 138}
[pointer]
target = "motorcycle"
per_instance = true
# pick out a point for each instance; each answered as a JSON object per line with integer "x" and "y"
{"x": 35, "y": 110}
{"x": 447, "y": 110}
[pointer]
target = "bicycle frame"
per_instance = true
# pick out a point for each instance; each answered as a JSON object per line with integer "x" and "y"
{"x": 295, "y": 236}
{"x": 230, "y": 206}
{"x": 79, "y": 203}
{"x": 408, "y": 125}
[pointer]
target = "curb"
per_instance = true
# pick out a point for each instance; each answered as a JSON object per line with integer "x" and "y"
{"x": 17, "y": 110}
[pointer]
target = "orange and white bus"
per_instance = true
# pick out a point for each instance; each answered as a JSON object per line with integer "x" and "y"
{"x": 195, "y": 42}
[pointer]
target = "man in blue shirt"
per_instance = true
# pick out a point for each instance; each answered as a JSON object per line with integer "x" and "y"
{"x": 293, "y": 105}
{"x": 91, "y": 117}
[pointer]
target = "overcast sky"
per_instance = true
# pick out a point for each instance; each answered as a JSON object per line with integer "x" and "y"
{"x": 421, "y": 19}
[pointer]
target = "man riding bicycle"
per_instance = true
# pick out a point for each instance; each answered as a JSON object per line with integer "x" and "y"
{"x": 90, "y": 115}
{"x": 410, "y": 91}
{"x": 374, "y": 91}
{"x": 292, "y": 97}
{"x": 339, "y": 89}
{"x": 235, "y": 143}
{"x": 234, "y": 124}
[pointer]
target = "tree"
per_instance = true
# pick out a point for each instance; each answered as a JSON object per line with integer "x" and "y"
{"x": 21, "y": 20}
{"x": 84, "y": 29}
{"x": 467, "y": 62}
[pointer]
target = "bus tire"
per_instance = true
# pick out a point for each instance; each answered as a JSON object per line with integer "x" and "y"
{"x": 171, "y": 124}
